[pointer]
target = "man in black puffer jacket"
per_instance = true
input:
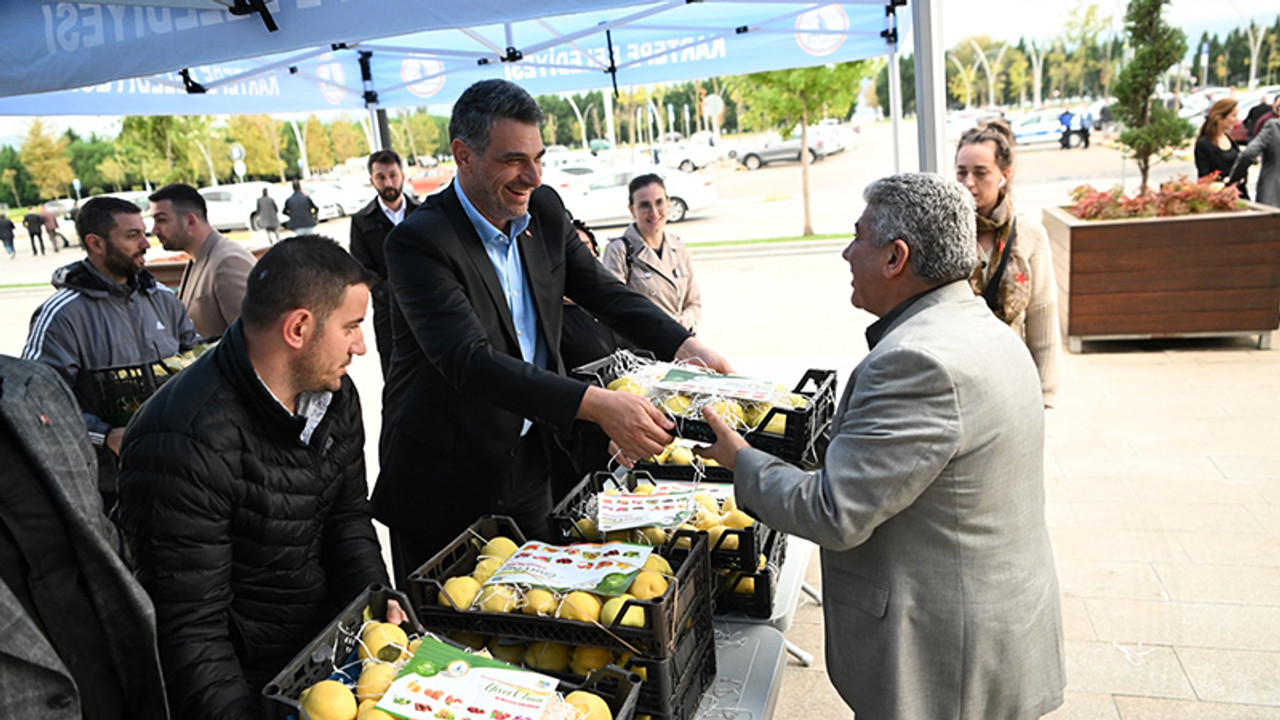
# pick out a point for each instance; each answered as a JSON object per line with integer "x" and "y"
{"x": 242, "y": 495}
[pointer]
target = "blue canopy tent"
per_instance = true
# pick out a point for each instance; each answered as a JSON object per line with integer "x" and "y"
{"x": 202, "y": 58}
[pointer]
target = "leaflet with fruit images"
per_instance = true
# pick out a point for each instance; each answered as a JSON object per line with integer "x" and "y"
{"x": 664, "y": 508}
{"x": 692, "y": 382}
{"x": 442, "y": 682}
{"x": 601, "y": 568}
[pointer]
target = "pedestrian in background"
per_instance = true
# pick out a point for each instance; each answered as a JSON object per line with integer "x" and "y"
{"x": 1215, "y": 151}
{"x": 269, "y": 217}
{"x": 302, "y": 211}
{"x": 6, "y": 235}
{"x": 34, "y": 224}
{"x": 1266, "y": 144}
{"x": 1015, "y": 270}
{"x": 650, "y": 259}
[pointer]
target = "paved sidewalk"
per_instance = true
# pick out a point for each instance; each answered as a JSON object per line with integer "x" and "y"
{"x": 1163, "y": 476}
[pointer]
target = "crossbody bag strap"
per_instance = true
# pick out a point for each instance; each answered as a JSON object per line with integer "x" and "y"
{"x": 991, "y": 293}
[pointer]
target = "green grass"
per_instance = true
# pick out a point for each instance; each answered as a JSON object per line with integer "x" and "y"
{"x": 23, "y": 286}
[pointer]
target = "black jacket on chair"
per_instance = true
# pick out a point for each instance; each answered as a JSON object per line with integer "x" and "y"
{"x": 458, "y": 391}
{"x": 369, "y": 229}
{"x": 248, "y": 541}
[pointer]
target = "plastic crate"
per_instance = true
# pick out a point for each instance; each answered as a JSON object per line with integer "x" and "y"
{"x": 808, "y": 428}
{"x": 331, "y": 651}
{"x": 580, "y": 502}
{"x": 666, "y": 617}
{"x": 759, "y": 602}
{"x": 685, "y": 473}
{"x": 118, "y": 392}
{"x": 618, "y": 688}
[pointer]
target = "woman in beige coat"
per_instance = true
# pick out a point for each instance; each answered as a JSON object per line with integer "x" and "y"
{"x": 652, "y": 261}
{"x": 1012, "y": 246}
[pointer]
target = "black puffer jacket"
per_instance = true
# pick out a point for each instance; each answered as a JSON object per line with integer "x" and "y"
{"x": 247, "y": 540}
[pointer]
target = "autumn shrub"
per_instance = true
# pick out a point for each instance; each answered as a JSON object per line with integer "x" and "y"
{"x": 1179, "y": 196}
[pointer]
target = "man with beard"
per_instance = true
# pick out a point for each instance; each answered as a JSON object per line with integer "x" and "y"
{"x": 242, "y": 492}
{"x": 108, "y": 312}
{"x": 213, "y": 283}
{"x": 369, "y": 229}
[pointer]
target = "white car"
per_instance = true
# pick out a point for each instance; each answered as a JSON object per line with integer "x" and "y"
{"x": 235, "y": 206}
{"x": 1044, "y": 127}
{"x": 597, "y": 194}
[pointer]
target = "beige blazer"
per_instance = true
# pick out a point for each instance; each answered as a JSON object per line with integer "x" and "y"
{"x": 941, "y": 598}
{"x": 213, "y": 284}
{"x": 667, "y": 280}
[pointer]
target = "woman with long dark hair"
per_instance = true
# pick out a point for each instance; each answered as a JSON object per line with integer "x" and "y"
{"x": 1216, "y": 152}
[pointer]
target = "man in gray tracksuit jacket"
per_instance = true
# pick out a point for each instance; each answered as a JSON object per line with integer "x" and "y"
{"x": 108, "y": 312}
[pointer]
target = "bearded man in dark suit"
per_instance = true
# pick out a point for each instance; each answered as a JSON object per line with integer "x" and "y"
{"x": 477, "y": 392}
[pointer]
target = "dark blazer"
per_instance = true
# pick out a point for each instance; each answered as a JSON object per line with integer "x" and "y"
{"x": 458, "y": 389}
{"x": 40, "y": 411}
{"x": 369, "y": 229}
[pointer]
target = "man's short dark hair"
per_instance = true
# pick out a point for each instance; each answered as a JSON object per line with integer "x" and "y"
{"x": 304, "y": 271}
{"x": 385, "y": 157}
{"x": 98, "y": 216}
{"x": 486, "y": 102}
{"x": 184, "y": 198}
{"x": 297, "y": 186}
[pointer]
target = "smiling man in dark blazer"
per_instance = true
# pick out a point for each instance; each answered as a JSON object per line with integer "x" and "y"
{"x": 477, "y": 388}
{"x": 369, "y": 229}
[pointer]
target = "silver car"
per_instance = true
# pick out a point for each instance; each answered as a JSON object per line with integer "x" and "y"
{"x": 775, "y": 149}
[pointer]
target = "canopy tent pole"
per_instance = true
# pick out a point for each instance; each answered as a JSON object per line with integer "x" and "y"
{"x": 895, "y": 80}
{"x": 931, "y": 99}
{"x": 381, "y": 135}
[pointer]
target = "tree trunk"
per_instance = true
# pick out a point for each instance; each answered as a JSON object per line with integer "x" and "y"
{"x": 804, "y": 161}
{"x": 407, "y": 123}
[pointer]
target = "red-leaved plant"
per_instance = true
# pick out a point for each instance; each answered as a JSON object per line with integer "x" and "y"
{"x": 1180, "y": 196}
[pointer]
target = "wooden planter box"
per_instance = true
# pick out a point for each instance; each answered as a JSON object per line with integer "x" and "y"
{"x": 1199, "y": 275}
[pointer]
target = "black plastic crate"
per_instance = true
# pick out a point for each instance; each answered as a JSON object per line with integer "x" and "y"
{"x": 666, "y": 617}
{"x": 618, "y": 688}
{"x": 118, "y": 392}
{"x": 685, "y": 473}
{"x": 333, "y": 649}
{"x": 580, "y": 502}
{"x": 683, "y": 704}
{"x": 759, "y": 602}
{"x": 804, "y": 442}
{"x": 664, "y": 680}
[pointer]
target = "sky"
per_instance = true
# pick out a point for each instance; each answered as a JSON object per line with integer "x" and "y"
{"x": 1000, "y": 19}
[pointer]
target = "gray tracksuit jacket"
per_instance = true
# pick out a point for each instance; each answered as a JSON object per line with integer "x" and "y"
{"x": 92, "y": 323}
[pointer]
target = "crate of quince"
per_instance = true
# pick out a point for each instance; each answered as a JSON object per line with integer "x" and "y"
{"x": 619, "y": 596}
{"x": 635, "y": 507}
{"x": 118, "y": 392}
{"x": 362, "y": 668}
{"x": 791, "y": 424}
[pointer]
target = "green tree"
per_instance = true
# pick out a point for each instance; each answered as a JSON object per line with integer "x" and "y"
{"x": 348, "y": 140}
{"x": 46, "y": 159}
{"x": 259, "y": 136}
{"x": 19, "y": 181}
{"x": 10, "y": 176}
{"x": 113, "y": 171}
{"x": 319, "y": 147}
{"x": 419, "y": 135}
{"x": 782, "y": 98}
{"x": 907, "y": 76}
{"x": 1149, "y": 128}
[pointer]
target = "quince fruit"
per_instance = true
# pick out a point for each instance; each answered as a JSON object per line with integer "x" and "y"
{"x": 680, "y": 455}
{"x": 374, "y": 680}
{"x": 329, "y": 700}
{"x": 647, "y": 585}
{"x": 383, "y": 641}
{"x": 586, "y": 659}
{"x": 588, "y": 706}
{"x": 539, "y": 602}
{"x": 658, "y": 564}
{"x": 499, "y": 547}
{"x": 507, "y": 652}
{"x": 497, "y": 598}
{"x": 627, "y": 385}
{"x": 459, "y": 592}
{"x": 548, "y": 656}
{"x": 677, "y": 404}
{"x": 579, "y": 605}
{"x": 486, "y": 568}
{"x": 632, "y": 617}
{"x": 714, "y": 535}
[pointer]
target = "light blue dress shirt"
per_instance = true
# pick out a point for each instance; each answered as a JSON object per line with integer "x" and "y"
{"x": 505, "y": 256}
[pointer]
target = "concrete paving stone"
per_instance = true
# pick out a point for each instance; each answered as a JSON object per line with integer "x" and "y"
{"x": 1116, "y": 545}
{"x": 1239, "y": 376}
{"x": 1268, "y": 516}
{"x": 1101, "y": 667}
{"x": 1233, "y": 584}
{"x": 1114, "y": 516}
{"x": 1132, "y": 465}
{"x": 809, "y": 637}
{"x": 1205, "y": 517}
{"x": 1141, "y": 708}
{"x": 1249, "y": 467}
{"x": 1209, "y": 625}
{"x": 1211, "y": 490}
{"x": 1233, "y": 676}
{"x": 1092, "y": 579}
{"x": 1232, "y": 548}
{"x": 1085, "y": 706}
{"x": 1076, "y": 624}
{"x": 1059, "y": 514}
{"x": 808, "y": 693}
{"x": 1074, "y": 488}
{"x": 1269, "y": 491}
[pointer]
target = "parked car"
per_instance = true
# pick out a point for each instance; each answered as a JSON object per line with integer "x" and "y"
{"x": 428, "y": 181}
{"x": 235, "y": 206}
{"x": 597, "y": 194}
{"x": 1043, "y": 126}
{"x": 775, "y": 149}
{"x": 337, "y": 200}
{"x": 137, "y": 197}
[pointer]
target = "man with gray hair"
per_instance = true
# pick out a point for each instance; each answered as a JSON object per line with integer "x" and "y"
{"x": 477, "y": 394}
{"x": 941, "y": 594}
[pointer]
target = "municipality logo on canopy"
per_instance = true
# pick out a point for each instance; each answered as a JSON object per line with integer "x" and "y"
{"x": 827, "y": 28}
{"x": 423, "y": 75}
